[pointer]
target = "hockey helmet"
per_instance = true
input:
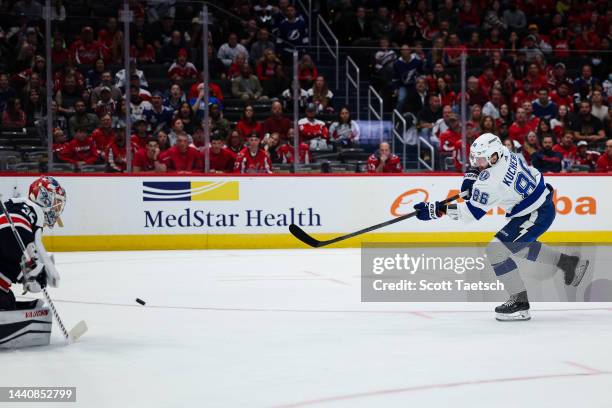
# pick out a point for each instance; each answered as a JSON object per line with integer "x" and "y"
{"x": 50, "y": 196}
{"x": 483, "y": 148}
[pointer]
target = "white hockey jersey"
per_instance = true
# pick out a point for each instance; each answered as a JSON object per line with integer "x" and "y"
{"x": 509, "y": 184}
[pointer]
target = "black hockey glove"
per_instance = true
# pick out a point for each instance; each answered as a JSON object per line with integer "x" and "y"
{"x": 469, "y": 178}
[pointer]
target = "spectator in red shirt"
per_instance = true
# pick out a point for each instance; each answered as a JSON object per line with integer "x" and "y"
{"x": 447, "y": 96}
{"x": 59, "y": 142}
{"x": 536, "y": 77}
{"x": 141, "y": 51}
{"x": 116, "y": 154}
{"x": 310, "y": 127}
{"x": 59, "y": 54}
{"x": 486, "y": 80}
{"x": 493, "y": 42}
{"x": 248, "y": 124}
{"x": 107, "y": 35}
{"x": 520, "y": 128}
{"x": 221, "y": 158}
{"x": 560, "y": 42}
{"x": 566, "y": 147}
{"x": 276, "y": 122}
{"x": 85, "y": 51}
{"x": 13, "y": 116}
{"x": 81, "y": 150}
{"x": 286, "y": 152}
{"x": 474, "y": 95}
{"x": 585, "y": 157}
{"x": 383, "y": 161}
{"x": 235, "y": 142}
{"x": 147, "y": 160}
{"x": 604, "y": 164}
{"x": 213, "y": 90}
{"x": 449, "y": 138}
{"x": 525, "y": 94}
{"x": 307, "y": 71}
{"x": 253, "y": 159}
{"x": 267, "y": 65}
{"x": 182, "y": 69}
{"x": 561, "y": 96}
{"x": 141, "y": 136}
{"x": 586, "y": 41}
{"x": 501, "y": 69}
{"x": 104, "y": 135}
{"x": 469, "y": 16}
{"x": 181, "y": 157}
{"x": 561, "y": 122}
{"x": 531, "y": 145}
{"x": 529, "y": 116}
{"x": 473, "y": 47}
{"x": 453, "y": 51}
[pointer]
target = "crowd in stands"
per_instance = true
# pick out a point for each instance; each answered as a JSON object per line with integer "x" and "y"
{"x": 250, "y": 91}
{"x": 539, "y": 76}
{"x": 539, "y": 73}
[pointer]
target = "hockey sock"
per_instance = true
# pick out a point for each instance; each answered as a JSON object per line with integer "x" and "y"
{"x": 540, "y": 253}
{"x": 507, "y": 273}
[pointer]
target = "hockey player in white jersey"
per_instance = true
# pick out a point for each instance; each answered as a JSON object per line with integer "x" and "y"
{"x": 500, "y": 178}
{"x": 25, "y": 324}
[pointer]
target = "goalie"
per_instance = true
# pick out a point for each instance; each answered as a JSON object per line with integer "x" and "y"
{"x": 24, "y": 324}
{"x": 500, "y": 178}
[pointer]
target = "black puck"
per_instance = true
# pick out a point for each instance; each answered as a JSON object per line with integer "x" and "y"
{"x": 142, "y": 302}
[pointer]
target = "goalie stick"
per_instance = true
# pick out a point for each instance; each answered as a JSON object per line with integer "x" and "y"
{"x": 303, "y": 236}
{"x": 81, "y": 327}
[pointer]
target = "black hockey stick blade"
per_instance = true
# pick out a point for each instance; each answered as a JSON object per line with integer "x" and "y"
{"x": 303, "y": 236}
{"x": 300, "y": 234}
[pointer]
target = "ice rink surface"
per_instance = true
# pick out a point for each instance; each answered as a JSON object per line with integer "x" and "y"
{"x": 286, "y": 328}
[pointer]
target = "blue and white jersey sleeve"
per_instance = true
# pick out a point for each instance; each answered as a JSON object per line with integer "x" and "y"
{"x": 486, "y": 194}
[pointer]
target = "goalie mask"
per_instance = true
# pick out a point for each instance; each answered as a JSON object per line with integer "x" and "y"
{"x": 50, "y": 196}
{"x": 483, "y": 148}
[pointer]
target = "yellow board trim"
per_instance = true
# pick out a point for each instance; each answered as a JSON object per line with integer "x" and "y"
{"x": 281, "y": 241}
{"x": 216, "y": 191}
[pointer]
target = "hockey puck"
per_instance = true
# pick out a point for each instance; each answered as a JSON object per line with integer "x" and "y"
{"x": 140, "y": 301}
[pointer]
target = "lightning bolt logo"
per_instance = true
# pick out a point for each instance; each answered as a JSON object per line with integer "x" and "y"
{"x": 523, "y": 229}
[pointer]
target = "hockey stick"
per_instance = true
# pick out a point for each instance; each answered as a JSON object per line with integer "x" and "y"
{"x": 81, "y": 327}
{"x": 303, "y": 236}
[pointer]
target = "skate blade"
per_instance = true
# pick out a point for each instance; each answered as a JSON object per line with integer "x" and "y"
{"x": 581, "y": 269}
{"x": 511, "y": 317}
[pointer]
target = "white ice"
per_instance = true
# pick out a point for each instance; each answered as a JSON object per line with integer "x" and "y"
{"x": 286, "y": 328}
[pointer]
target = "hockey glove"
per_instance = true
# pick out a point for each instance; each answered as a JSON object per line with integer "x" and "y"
{"x": 34, "y": 273}
{"x": 34, "y": 280}
{"x": 470, "y": 177}
{"x": 429, "y": 211}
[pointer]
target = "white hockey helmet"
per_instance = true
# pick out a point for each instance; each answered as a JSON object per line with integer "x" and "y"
{"x": 483, "y": 148}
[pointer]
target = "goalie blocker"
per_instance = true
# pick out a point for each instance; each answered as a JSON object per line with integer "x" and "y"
{"x": 26, "y": 326}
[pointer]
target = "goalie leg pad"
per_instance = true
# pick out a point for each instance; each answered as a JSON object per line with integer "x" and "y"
{"x": 29, "y": 325}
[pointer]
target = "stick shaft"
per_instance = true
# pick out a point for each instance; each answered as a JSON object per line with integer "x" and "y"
{"x": 386, "y": 223}
{"x": 23, "y": 249}
{"x": 307, "y": 239}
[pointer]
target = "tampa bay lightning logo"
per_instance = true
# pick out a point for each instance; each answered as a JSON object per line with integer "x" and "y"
{"x": 483, "y": 175}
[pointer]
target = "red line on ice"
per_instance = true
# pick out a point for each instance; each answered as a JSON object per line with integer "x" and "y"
{"x": 375, "y": 393}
